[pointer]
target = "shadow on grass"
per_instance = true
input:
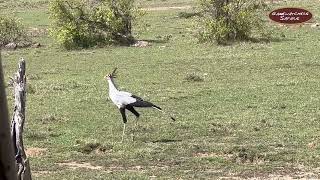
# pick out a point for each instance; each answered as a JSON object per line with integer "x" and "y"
{"x": 166, "y": 141}
{"x": 187, "y": 15}
{"x": 268, "y": 40}
{"x": 272, "y": 39}
{"x": 157, "y": 41}
{"x": 37, "y": 136}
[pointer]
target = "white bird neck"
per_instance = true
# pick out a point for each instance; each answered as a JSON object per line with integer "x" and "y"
{"x": 112, "y": 86}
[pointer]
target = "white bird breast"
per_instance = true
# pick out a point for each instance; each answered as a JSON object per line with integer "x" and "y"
{"x": 122, "y": 98}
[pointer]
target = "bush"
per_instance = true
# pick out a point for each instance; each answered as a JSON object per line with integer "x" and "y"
{"x": 87, "y": 23}
{"x": 11, "y": 31}
{"x": 229, "y": 20}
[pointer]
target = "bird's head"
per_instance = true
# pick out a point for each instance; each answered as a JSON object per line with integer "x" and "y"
{"x": 111, "y": 75}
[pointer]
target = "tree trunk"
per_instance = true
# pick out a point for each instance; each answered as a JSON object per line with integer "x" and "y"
{"x": 18, "y": 119}
{"x": 7, "y": 166}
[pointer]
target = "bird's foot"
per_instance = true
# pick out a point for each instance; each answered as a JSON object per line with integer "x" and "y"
{"x": 123, "y": 132}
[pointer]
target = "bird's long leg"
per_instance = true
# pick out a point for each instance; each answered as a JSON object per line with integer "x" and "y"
{"x": 124, "y": 118}
{"x": 131, "y": 109}
{"x": 123, "y": 131}
{"x": 135, "y": 127}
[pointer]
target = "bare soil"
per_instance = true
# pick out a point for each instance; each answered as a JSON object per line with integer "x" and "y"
{"x": 166, "y": 8}
{"x": 35, "y": 152}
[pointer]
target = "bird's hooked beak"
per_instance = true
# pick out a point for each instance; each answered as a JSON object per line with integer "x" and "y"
{"x": 114, "y": 72}
{"x": 111, "y": 75}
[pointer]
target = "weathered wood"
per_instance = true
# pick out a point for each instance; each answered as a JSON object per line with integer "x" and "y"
{"x": 18, "y": 119}
{"x": 7, "y": 166}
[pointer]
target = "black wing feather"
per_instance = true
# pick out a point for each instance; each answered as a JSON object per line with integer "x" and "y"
{"x": 141, "y": 103}
{"x": 137, "y": 97}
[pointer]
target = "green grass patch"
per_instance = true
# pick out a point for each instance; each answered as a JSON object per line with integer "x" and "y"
{"x": 246, "y": 110}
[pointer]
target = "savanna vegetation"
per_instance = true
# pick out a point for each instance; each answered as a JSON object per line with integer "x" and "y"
{"x": 245, "y": 110}
{"x": 12, "y": 31}
{"x": 90, "y": 23}
{"x": 225, "y": 21}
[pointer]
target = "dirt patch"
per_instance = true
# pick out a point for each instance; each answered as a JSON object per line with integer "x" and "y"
{"x": 205, "y": 155}
{"x": 141, "y": 44}
{"x": 35, "y": 152}
{"x": 162, "y": 167}
{"x": 166, "y": 8}
{"x": 315, "y": 25}
{"x": 37, "y": 32}
{"x": 284, "y": 173}
{"x": 273, "y": 177}
{"x": 76, "y": 165}
{"x": 299, "y": 172}
{"x": 40, "y": 173}
{"x": 93, "y": 147}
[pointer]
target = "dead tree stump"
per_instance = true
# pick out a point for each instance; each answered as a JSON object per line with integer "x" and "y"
{"x": 7, "y": 166}
{"x": 18, "y": 119}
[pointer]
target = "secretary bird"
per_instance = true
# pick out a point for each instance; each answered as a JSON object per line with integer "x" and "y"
{"x": 125, "y": 100}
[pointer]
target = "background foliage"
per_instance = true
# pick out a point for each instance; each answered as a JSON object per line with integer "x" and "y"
{"x": 246, "y": 111}
{"x": 86, "y": 23}
{"x": 230, "y": 20}
{"x": 11, "y": 30}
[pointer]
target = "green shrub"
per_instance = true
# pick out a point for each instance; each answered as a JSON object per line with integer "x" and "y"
{"x": 229, "y": 20}
{"x": 11, "y": 31}
{"x": 87, "y": 23}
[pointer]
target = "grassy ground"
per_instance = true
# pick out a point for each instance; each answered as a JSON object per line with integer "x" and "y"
{"x": 246, "y": 110}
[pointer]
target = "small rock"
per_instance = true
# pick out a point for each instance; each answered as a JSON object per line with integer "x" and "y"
{"x": 11, "y": 46}
{"x": 36, "y": 45}
{"x": 315, "y": 25}
{"x": 23, "y": 44}
{"x": 312, "y": 145}
{"x": 141, "y": 44}
{"x": 138, "y": 167}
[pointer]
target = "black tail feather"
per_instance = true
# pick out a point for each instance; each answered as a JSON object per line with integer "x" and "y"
{"x": 157, "y": 107}
{"x": 140, "y": 103}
